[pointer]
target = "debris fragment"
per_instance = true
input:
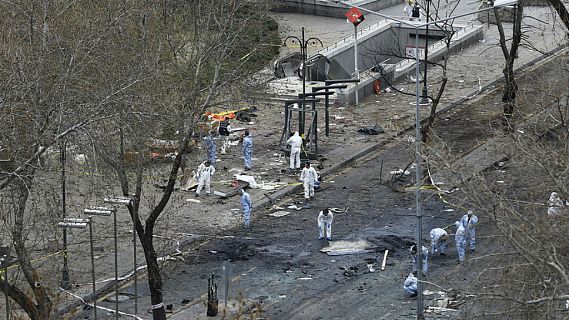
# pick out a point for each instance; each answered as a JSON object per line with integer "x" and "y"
{"x": 193, "y": 200}
{"x": 248, "y": 179}
{"x": 384, "y": 260}
{"x": 375, "y": 130}
{"x": 344, "y": 247}
{"x": 279, "y": 214}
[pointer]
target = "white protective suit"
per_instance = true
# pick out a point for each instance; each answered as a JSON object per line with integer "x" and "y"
{"x": 410, "y": 285}
{"x": 469, "y": 222}
{"x": 204, "y": 175}
{"x": 308, "y": 177}
{"x": 295, "y": 143}
{"x": 438, "y": 240}
{"x": 554, "y": 204}
{"x": 325, "y": 224}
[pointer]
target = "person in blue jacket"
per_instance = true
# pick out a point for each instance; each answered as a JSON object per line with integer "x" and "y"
{"x": 211, "y": 149}
{"x": 248, "y": 150}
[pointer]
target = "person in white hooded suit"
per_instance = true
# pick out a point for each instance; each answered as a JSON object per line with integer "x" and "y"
{"x": 295, "y": 142}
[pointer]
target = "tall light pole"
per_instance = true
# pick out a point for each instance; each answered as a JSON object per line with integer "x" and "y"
{"x": 425, "y": 93}
{"x": 303, "y": 51}
{"x": 104, "y": 211}
{"x": 355, "y": 17}
{"x": 128, "y": 201}
{"x": 418, "y": 202}
{"x": 82, "y": 224}
{"x": 65, "y": 282}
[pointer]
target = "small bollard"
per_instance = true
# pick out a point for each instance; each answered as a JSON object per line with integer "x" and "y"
{"x": 212, "y": 301}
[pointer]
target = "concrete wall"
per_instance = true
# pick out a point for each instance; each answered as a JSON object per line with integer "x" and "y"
{"x": 396, "y": 71}
{"x": 320, "y": 8}
{"x": 376, "y": 44}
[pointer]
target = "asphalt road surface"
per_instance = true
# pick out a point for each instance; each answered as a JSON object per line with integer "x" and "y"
{"x": 277, "y": 262}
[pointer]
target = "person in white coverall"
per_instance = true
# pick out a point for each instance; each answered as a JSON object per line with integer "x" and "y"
{"x": 554, "y": 204}
{"x": 295, "y": 142}
{"x": 469, "y": 222}
{"x": 438, "y": 240}
{"x": 460, "y": 239}
{"x": 308, "y": 177}
{"x": 204, "y": 174}
{"x": 410, "y": 285}
{"x": 325, "y": 218}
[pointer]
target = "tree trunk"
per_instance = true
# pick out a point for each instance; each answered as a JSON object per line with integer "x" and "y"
{"x": 154, "y": 278}
{"x": 511, "y": 87}
{"x": 428, "y": 126}
{"x": 42, "y": 309}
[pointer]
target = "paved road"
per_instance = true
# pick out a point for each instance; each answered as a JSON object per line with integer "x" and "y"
{"x": 278, "y": 261}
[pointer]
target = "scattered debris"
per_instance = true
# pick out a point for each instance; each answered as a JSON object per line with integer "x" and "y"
{"x": 193, "y": 200}
{"x": 248, "y": 179}
{"x": 370, "y": 267}
{"x": 295, "y": 207}
{"x": 400, "y": 171}
{"x": 279, "y": 214}
{"x": 339, "y": 210}
{"x": 375, "y": 130}
{"x": 384, "y": 260}
{"x": 305, "y": 278}
{"x": 344, "y": 247}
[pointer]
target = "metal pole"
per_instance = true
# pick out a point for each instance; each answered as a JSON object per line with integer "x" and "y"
{"x": 4, "y": 263}
{"x": 93, "y": 267}
{"x": 65, "y": 282}
{"x": 420, "y": 315}
{"x": 356, "y": 69}
{"x": 327, "y": 113}
{"x": 303, "y": 109}
{"x": 424, "y": 95}
{"x": 116, "y": 268}
{"x": 135, "y": 213}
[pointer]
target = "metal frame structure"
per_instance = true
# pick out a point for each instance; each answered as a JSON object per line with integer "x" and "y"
{"x": 78, "y": 223}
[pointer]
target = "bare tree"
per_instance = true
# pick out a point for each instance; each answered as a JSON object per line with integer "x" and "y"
{"x": 524, "y": 275}
{"x": 510, "y": 55}
{"x": 192, "y": 51}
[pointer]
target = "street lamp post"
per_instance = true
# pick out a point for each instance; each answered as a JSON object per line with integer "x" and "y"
{"x": 82, "y": 224}
{"x": 128, "y": 201}
{"x": 303, "y": 51}
{"x": 418, "y": 202}
{"x": 355, "y": 17}
{"x": 104, "y": 211}
{"x": 65, "y": 282}
{"x": 425, "y": 93}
